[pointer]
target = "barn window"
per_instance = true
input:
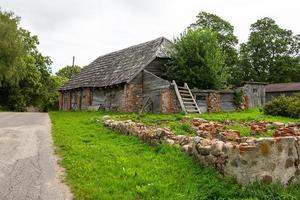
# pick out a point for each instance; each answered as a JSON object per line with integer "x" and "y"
{"x": 254, "y": 90}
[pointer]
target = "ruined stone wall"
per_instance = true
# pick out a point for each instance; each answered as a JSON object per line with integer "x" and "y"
{"x": 168, "y": 101}
{"x": 246, "y": 159}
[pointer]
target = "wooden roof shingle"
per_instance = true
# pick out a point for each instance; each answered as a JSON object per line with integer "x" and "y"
{"x": 119, "y": 66}
{"x": 283, "y": 87}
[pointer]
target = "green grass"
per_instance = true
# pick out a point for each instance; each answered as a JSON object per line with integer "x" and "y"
{"x": 103, "y": 164}
{"x": 253, "y": 114}
{"x": 244, "y": 130}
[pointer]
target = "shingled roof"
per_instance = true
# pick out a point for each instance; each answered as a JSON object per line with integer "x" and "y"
{"x": 119, "y": 66}
{"x": 283, "y": 87}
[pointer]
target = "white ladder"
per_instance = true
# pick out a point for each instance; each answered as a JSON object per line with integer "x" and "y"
{"x": 186, "y": 99}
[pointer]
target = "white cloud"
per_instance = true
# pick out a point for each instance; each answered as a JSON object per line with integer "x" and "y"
{"x": 90, "y": 28}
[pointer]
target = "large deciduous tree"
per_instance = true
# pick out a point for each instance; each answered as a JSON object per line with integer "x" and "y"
{"x": 271, "y": 54}
{"x": 25, "y": 75}
{"x": 226, "y": 38}
{"x": 197, "y": 59}
{"x": 12, "y": 50}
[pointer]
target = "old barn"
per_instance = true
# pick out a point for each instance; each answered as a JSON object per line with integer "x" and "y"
{"x": 129, "y": 80}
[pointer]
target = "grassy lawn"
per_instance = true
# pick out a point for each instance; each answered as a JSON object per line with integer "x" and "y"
{"x": 102, "y": 164}
{"x": 253, "y": 114}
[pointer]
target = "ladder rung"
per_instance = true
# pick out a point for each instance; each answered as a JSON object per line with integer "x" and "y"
{"x": 189, "y": 102}
{"x": 191, "y": 107}
{"x": 182, "y": 88}
{"x": 192, "y": 111}
{"x": 187, "y": 99}
{"x": 184, "y": 91}
{"x": 186, "y": 95}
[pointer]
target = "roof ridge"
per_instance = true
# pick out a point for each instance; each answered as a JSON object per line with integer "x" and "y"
{"x": 133, "y": 46}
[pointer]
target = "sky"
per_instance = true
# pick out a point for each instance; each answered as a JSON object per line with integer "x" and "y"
{"x": 88, "y": 29}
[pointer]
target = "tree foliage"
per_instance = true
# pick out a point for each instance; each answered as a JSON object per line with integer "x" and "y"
{"x": 271, "y": 54}
{"x": 197, "y": 59}
{"x": 12, "y": 50}
{"x": 68, "y": 71}
{"x": 225, "y": 34}
{"x": 25, "y": 78}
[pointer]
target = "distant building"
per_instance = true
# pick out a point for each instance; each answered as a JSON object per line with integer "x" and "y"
{"x": 277, "y": 89}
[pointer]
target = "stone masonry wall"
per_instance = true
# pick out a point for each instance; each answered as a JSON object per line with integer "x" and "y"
{"x": 134, "y": 97}
{"x": 168, "y": 101}
{"x": 214, "y": 102}
{"x": 246, "y": 159}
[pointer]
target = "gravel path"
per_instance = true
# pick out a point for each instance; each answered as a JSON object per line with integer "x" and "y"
{"x": 28, "y": 166}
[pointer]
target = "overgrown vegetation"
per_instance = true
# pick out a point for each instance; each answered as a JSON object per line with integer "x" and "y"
{"x": 103, "y": 164}
{"x": 238, "y": 98}
{"x": 284, "y": 106}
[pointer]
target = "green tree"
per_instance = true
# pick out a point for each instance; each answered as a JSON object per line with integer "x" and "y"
{"x": 197, "y": 59}
{"x": 226, "y": 38}
{"x": 25, "y": 73}
{"x": 271, "y": 54}
{"x": 68, "y": 71}
{"x": 12, "y": 50}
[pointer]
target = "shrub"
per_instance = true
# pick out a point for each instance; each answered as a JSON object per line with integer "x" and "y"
{"x": 238, "y": 99}
{"x": 284, "y": 106}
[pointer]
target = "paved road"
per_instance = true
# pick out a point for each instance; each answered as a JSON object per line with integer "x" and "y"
{"x": 28, "y": 166}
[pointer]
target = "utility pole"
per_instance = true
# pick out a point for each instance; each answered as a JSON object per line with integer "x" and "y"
{"x": 73, "y": 64}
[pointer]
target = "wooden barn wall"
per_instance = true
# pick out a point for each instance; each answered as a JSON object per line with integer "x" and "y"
{"x": 99, "y": 99}
{"x": 271, "y": 95}
{"x": 226, "y": 100}
{"x": 152, "y": 86}
{"x": 256, "y": 94}
{"x": 201, "y": 100}
{"x": 86, "y": 99}
{"x": 108, "y": 99}
{"x": 75, "y": 100}
{"x": 66, "y": 101}
{"x": 61, "y": 101}
{"x": 158, "y": 67}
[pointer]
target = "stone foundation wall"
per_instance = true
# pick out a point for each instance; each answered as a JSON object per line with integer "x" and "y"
{"x": 246, "y": 159}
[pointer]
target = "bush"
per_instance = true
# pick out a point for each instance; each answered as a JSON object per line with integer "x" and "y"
{"x": 284, "y": 106}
